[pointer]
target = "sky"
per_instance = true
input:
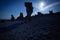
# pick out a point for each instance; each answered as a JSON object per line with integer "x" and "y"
{"x": 8, "y": 7}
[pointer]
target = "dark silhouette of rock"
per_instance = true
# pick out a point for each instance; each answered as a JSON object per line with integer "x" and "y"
{"x": 39, "y": 14}
{"x": 20, "y": 17}
{"x": 57, "y": 13}
{"x": 29, "y": 9}
{"x": 2, "y": 21}
{"x": 42, "y": 27}
{"x": 51, "y": 12}
{"x": 12, "y": 18}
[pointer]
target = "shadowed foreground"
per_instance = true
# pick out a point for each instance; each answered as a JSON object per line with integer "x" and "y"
{"x": 45, "y": 27}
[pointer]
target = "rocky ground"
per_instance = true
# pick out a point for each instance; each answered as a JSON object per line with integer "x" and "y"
{"x": 39, "y": 28}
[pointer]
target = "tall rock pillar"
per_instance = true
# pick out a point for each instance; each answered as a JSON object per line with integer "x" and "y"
{"x": 29, "y": 9}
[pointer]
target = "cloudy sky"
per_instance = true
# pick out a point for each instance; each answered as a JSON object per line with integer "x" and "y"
{"x": 8, "y": 7}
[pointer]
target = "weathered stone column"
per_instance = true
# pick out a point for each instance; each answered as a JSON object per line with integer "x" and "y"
{"x": 12, "y": 18}
{"x": 29, "y": 9}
